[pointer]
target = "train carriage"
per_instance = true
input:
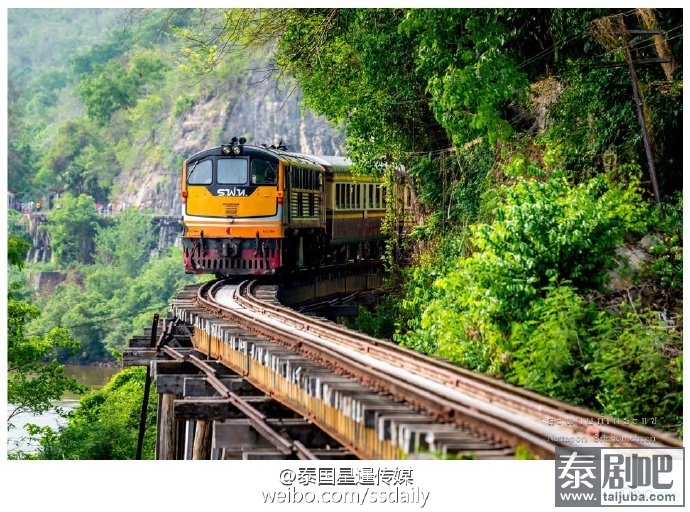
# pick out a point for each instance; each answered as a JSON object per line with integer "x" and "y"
{"x": 255, "y": 210}
{"x": 355, "y": 207}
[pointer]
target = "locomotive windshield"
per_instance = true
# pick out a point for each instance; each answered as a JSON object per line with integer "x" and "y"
{"x": 263, "y": 172}
{"x": 200, "y": 173}
{"x": 232, "y": 171}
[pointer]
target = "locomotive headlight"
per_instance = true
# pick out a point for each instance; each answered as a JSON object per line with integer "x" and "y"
{"x": 236, "y": 150}
{"x": 225, "y": 149}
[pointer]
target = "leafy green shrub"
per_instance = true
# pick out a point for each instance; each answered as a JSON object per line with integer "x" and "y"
{"x": 464, "y": 335}
{"x": 438, "y": 260}
{"x": 637, "y": 366}
{"x": 548, "y": 349}
{"x": 626, "y": 365}
{"x": 516, "y": 306}
{"x": 17, "y": 226}
{"x": 543, "y": 232}
{"x": 667, "y": 267}
{"x": 105, "y": 425}
{"x": 183, "y": 104}
{"x": 382, "y": 322}
{"x": 72, "y": 226}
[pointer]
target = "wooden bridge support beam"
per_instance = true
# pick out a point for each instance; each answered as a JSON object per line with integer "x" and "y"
{"x": 202, "y": 440}
{"x": 165, "y": 443}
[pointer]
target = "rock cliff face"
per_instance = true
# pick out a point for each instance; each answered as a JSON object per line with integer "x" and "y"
{"x": 264, "y": 114}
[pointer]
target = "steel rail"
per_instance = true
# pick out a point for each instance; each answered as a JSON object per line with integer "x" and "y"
{"x": 454, "y": 377}
{"x": 487, "y": 406}
{"x": 499, "y": 426}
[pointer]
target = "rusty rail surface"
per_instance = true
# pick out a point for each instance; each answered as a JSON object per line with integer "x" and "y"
{"x": 489, "y": 407}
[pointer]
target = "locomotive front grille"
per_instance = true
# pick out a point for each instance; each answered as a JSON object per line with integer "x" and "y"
{"x": 230, "y": 209}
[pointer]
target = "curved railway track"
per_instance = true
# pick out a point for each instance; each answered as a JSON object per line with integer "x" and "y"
{"x": 492, "y": 410}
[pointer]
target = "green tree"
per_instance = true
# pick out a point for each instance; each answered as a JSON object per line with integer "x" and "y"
{"x": 16, "y": 251}
{"x": 22, "y": 156}
{"x": 100, "y": 53}
{"x": 79, "y": 160}
{"x": 105, "y": 425}
{"x": 115, "y": 85}
{"x": 84, "y": 313}
{"x": 34, "y": 375}
{"x": 154, "y": 286}
{"x": 109, "y": 89}
{"x": 126, "y": 244}
{"x": 357, "y": 68}
{"x": 463, "y": 51}
{"x": 72, "y": 227}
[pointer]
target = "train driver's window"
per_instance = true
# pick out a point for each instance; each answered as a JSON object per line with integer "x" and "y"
{"x": 264, "y": 173}
{"x": 200, "y": 172}
{"x": 232, "y": 171}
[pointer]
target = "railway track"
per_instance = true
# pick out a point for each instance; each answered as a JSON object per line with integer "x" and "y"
{"x": 447, "y": 404}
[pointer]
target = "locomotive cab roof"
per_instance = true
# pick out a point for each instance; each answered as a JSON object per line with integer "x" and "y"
{"x": 250, "y": 150}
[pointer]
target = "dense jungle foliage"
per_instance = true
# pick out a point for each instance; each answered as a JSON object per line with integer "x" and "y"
{"x": 538, "y": 254}
{"x": 105, "y": 426}
{"x": 98, "y": 88}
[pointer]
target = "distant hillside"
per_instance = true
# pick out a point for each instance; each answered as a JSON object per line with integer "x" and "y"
{"x": 43, "y": 39}
{"x": 104, "y": 94}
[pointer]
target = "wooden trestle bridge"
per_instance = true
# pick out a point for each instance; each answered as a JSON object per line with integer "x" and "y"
{"x": 241, "y": 375}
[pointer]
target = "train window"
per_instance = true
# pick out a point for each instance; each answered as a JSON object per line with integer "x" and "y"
{"x": 377, "y": 201}
{"x": 383, "y": 196}
{"x": 371, "y": 196}
{"x": 359, "y": 196}
{"x": 200, "y": 173}
{"x": 232, "y": 171}
{"x": 263, "y": 172}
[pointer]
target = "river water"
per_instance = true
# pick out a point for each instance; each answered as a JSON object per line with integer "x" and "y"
{"x": 94, "y": 377}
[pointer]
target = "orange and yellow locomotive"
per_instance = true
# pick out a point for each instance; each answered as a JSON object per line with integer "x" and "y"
{"x": 255, "y": 210}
